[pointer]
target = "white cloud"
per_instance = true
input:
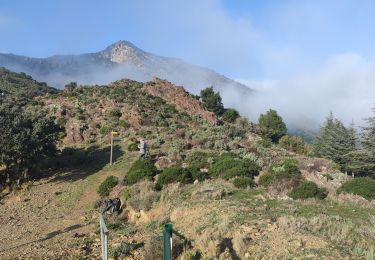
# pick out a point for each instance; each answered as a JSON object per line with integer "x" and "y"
{"x": 344, "y": 84}
{"x": 201, "y": 32}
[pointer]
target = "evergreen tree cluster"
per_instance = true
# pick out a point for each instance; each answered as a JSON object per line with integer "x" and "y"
{"x": 340, "y": 144}
{"x": 335, "y": 142}
{"x": 362, "y": 160}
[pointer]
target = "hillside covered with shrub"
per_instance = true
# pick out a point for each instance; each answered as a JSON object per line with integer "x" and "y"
{"x": 232, "y": 188}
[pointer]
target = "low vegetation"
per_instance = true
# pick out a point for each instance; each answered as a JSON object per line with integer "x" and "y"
{"x": 243, "y": 182}
{"x": 174, "y": 174}
{"x": 307, "y": 189}
{"x": 287, "y": 170}
{"x": 122, "y": 250}
{"x": 229, "y": 166}
{"x": 230, "y": 115}
{"x": 133, "y": 147}
{"x": 106, "y": 186}
{"x": 362, "y": 186}
{"x": 143, "y": 169}
{"x": 294, "y": 144}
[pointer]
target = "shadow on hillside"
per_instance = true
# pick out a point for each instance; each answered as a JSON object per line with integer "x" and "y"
{"x": 48, "y": 236}
{"x": 77, "y": 163}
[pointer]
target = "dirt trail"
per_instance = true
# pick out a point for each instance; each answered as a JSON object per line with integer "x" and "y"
{"x": 41, "y": 221}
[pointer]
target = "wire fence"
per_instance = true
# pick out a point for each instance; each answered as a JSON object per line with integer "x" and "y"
{"x": 167, "y": 239}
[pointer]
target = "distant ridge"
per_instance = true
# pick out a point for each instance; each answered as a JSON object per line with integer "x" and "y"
{"x": 119, "y": 60}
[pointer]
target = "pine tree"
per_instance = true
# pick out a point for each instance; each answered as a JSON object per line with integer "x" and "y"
{"x": 362, "y": 161}
{"x": 335, "y": 141}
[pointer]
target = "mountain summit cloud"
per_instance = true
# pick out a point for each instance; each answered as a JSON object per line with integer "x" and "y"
{"x": 119, "y": 60}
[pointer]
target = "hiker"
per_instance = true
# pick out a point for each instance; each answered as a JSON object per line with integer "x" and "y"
{"x": 142, "y": 148}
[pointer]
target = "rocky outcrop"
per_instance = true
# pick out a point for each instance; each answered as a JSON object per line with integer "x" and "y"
{"x": 177, "y": 96}
{"x": 74, "y": 132}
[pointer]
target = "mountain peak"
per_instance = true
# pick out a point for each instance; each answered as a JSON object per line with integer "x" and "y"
{"x": 123, "y": 51}
{"x": 122, "y": 44}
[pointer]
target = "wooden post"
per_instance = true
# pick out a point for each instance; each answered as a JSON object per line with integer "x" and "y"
{"x": 111, "y": 156}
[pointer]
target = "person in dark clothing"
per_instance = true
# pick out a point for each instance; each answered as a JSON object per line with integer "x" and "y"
{"x": 142, "y": 148}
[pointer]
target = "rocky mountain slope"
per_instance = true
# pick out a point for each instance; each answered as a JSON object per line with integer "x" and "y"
{"x": 199, "y": 160}
{"x": 120, "y": 60}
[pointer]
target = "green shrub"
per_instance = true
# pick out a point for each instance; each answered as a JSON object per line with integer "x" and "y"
{"x": 230, "y": 115}
{"x": 286, "y": 170}
{"x": 122, "y": 250}
{"x": 124, "y": 124}
{"x": 106, "y": 186}
{"x": 133, "y": 147}
{"x": 293, "y": 143}
{"x": 224, "y": 162}
{"x": 265, "y": 142}
{"x": 104, "y": 130}
{"x": 328, "y": 177}
{"x": 115, "y": 113}
{"x": 244, "y": 167}
{"x": 128, "y": 230}
{"x": 201, "y": 159}
{"x": 291, "y": 167}
{"x": 125, "y": 194}
{"x": 229, "y": 166}
{"x": 61, "y": 121}
{"x": 196, "y": 174}
{"x": 243, "y": 182}
{"x": 362, "y": 186}
{"x": 307, "y": 189}
{"x": 267, "y": 179}
{"x": 173, "y": 174}
{"x": 141, "y": 170}
{"x": 253, "y": 157}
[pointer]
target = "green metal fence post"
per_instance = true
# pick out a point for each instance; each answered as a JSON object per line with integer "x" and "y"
{"x": 167, "y": 245}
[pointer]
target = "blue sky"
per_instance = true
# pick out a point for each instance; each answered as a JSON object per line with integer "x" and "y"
{"x": 327, "y": 46}
{"x": 242, "y": 39}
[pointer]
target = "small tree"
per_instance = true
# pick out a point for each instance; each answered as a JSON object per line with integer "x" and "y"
{"x": 272, "y": 126}
{"x": 212, "y": 101}
{"x": 70, "y": 87}
{"x": 230, "y": 115}
{"x": 25, "y": 138}
{"x": 293, "y": 143}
